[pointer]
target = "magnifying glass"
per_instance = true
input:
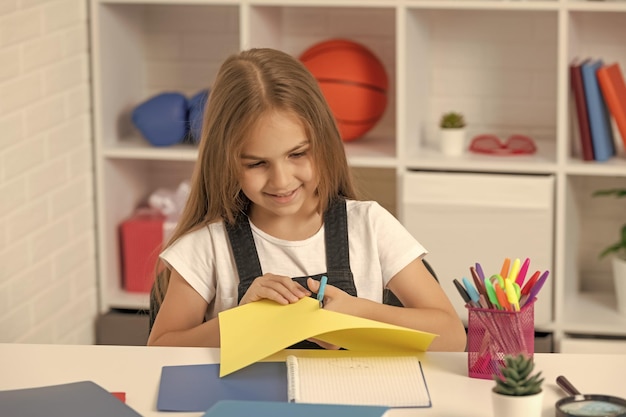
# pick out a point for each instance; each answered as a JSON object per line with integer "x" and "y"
{"x": 587, "y": 405}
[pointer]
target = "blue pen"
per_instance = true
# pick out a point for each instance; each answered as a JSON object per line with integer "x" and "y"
{"x": 320, "y": 292}
{"x": 471, "y": 291}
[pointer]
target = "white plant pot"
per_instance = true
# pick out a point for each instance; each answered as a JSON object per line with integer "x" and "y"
{"x": 452, "y": 141}
{"x": 619, "y": 278}
{"x": 512, "y": 406}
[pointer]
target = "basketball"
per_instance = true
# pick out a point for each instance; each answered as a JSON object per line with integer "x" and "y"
{"x": 353, "y": 81}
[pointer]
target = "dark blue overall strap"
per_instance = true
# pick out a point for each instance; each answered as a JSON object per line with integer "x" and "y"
{"x": 244, "y": 252}
{"x": 337, "y": 247}
{"x": 337, "y": 251}
{"x": 336, "y": 238}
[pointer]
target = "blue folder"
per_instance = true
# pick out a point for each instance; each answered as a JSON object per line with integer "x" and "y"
{"x": 198, "y": 387}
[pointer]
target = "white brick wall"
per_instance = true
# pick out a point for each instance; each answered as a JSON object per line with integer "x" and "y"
{"x": 47, "y": 250}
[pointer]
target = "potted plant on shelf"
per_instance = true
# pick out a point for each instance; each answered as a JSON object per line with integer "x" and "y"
{"x": 618, "y": 250}
{"x": 517, "y": 393}
{"x": 452, "y": 133}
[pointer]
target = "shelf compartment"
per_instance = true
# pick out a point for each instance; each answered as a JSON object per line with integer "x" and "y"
{"x": 124, "y": 186}
{"x": 295, "y": 28}
{"x": 596, "y": 35}
{"x": 378, "y": 184}
{"x": 141, "y": 50}
{"x": 592, "y": 223}
{"x": 497, "y": 67}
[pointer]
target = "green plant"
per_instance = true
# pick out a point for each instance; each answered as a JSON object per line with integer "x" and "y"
{"x": 452, "y": 120}
{"x": 618, "y": 248}
{"x": 514, "y": 377}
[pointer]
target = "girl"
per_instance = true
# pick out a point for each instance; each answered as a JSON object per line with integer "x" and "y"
{"x": 272, "y": 208}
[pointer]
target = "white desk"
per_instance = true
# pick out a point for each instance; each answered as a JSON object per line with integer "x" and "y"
{"x": 136, "y": 371}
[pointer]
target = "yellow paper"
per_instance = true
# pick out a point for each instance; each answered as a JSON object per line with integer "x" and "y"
{"x": 254, "y": 331}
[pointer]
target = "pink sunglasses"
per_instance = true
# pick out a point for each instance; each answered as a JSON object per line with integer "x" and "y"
{"x": 514, "y": 145}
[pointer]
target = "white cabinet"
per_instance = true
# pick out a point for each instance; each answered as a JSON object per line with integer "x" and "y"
{"x": 466, "y": 218}
{"x": 504, "y": 64}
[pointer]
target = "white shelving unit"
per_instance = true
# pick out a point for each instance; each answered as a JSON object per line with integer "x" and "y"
{"x": 504, "y": 64}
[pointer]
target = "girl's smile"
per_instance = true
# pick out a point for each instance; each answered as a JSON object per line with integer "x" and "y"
{"x": 283, "y": 198}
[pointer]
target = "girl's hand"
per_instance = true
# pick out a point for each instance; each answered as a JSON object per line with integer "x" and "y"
{"x": 335, "y": 299}
{"x": 278, "y": 288}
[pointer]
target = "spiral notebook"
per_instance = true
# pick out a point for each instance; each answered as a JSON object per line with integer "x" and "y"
{"x": 389, "y": 381}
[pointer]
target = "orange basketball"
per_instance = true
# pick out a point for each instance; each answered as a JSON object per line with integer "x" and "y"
{"x": 353, "y": 81}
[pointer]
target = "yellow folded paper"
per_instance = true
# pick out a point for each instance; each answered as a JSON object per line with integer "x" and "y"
{"x": 254, "y": 331}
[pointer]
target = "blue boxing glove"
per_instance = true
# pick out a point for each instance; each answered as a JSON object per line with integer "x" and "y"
{"x": 162, "y": 119}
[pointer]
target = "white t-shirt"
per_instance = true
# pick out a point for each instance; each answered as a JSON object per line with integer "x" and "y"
{"x": 379, "y": 247}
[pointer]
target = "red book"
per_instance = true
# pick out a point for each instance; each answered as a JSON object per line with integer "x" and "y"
{"x": 576, "y": 81}
{"x": 613, "y": 89}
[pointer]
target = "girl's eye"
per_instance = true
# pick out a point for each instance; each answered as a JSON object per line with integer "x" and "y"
{"x": 298, "y": 154}
{"x": 255, "y": 164}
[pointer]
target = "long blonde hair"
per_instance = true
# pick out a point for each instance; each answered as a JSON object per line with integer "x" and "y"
{"x": 248, "y": 85}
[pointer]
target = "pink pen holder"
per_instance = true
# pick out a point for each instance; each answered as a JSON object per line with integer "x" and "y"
{"x": 493, "y": 334}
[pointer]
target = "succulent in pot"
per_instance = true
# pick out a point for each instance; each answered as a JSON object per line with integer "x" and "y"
{"x": 515, "y": 376}
{"x": 518, "y": 392}
{"x": 452, "y": 120}
{"x": 452, "y": 136}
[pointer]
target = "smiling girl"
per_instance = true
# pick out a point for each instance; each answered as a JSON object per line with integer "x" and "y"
{"x": 273, "y": 208}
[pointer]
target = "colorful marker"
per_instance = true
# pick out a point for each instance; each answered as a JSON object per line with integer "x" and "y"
{"x": 511, "y": 294}
{"x": 522, "y": 272}
{"x": 502, "y": 299}
{"x": 491, "y": 294}
{"x": 529, "y": 284}
{"x": 535, "y": 289}
{"x": 504, "y": 271}
{"x": 515, "y": 268}
{"x": 479, "y": 271}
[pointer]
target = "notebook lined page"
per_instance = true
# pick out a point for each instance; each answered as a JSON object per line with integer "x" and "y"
{"x": 395, "y": 381}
